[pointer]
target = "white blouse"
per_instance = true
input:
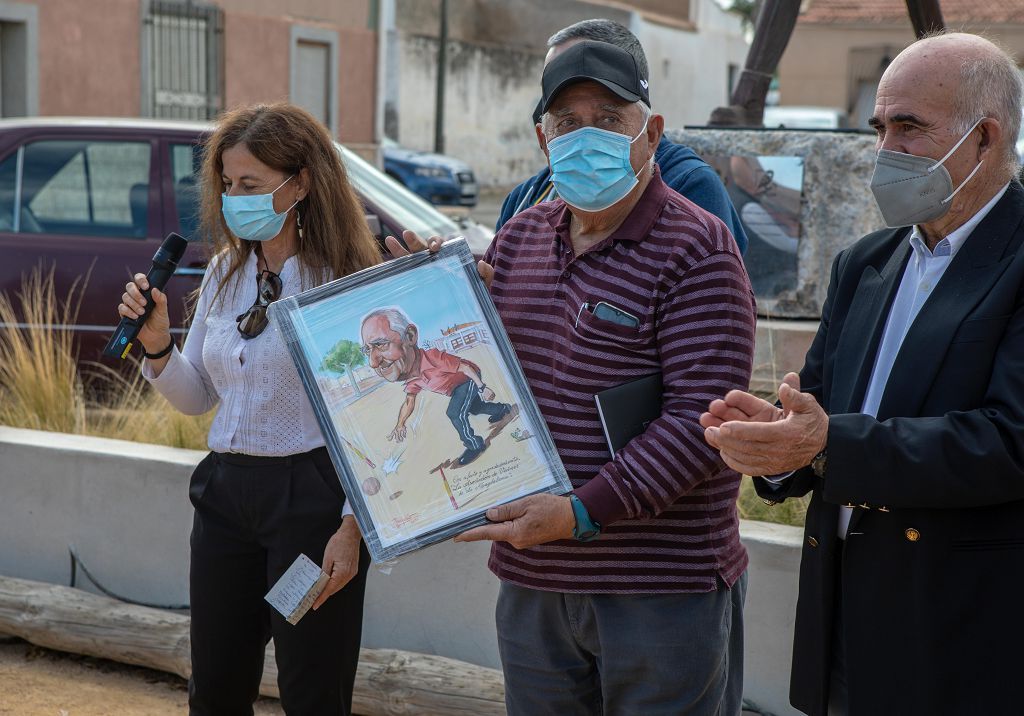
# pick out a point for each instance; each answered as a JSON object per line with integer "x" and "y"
{"x": 262, "y": 408}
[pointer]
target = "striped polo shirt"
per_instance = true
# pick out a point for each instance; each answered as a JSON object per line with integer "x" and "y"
{"x": 666, "y": 502}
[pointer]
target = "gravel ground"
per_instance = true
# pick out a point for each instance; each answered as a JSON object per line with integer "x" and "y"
{"x": 40, "y": 682}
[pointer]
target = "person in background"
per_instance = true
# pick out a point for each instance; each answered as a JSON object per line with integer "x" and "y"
{"x": 282, "y": 216}
{"x": 681, "y": 169}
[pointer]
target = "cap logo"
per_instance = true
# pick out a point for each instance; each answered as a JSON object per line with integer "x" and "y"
{"x": 643, "y": 83}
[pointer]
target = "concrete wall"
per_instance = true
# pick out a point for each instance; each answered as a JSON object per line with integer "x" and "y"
{"x": 779, "y": 348}
{"x": 524, "y": 24}
{"x": 816, "y": 66}
{"x": 495, "y": 59}
{"x": 257, "y": 55}
{"x": 254, "y": 77}
{"x": 690, "y": 69}
{"x": 489, "y": 96}
{"x": 125, "y": 508}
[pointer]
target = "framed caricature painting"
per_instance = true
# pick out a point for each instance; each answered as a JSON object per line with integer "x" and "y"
{"x": 425, "y": 410}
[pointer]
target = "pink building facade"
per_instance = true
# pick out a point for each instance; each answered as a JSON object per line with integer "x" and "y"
{"x": 179, "y": 59}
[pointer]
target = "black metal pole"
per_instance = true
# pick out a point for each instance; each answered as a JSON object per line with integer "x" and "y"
{"x": 925, "y": 16}
{"x": 442, "y": 64}
{"x": 772, "y": 30}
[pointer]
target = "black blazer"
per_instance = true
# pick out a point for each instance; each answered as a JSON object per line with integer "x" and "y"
{"x": 933, "y": 564}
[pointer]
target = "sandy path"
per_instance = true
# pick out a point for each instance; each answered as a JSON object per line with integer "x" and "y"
{"x": 40, "y": 682}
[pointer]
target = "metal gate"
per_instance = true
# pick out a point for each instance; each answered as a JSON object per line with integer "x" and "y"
{"x": 185, "y": 64}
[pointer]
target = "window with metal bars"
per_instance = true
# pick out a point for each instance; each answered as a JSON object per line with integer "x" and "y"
{"x": 183, "y": 59}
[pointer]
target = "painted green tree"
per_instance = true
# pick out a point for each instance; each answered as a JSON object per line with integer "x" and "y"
{"x": 343, "y": 358}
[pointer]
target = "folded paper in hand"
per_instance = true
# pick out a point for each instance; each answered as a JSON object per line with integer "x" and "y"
{"x": 297, "y": 589}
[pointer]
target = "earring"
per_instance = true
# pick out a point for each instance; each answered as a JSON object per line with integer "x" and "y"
{"x": 298, "y": 222}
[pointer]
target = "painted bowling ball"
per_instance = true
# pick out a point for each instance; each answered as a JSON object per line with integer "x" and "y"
{"x": 371, "y": 486}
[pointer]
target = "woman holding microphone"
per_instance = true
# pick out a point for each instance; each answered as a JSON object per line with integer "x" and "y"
{"x": 283, "y": 218}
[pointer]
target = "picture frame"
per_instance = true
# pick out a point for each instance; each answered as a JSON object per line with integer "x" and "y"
{"x": 424, "y": 408}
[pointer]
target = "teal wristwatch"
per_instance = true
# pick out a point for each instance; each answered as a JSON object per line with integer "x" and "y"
{"x": 586, "y": 529}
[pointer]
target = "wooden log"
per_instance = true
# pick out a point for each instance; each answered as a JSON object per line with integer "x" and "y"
{"x": 389, "y": 682}
{"x": 71, "y": 620}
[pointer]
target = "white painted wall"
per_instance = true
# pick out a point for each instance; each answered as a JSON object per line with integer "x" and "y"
{"x": 489, "y": 97}
{"x": 125, "y": 507}
{"x": 690, "y": 70}
{"x": 491, "y": 90}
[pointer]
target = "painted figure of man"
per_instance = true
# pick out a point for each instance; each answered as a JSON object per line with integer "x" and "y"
{"x": 390, "y": 343}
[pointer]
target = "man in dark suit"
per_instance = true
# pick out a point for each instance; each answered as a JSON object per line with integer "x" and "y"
{"x": 909, "y": 434}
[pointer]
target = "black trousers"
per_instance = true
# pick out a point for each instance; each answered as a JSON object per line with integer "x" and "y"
{"x": 253, "y": 516}
{"x": 465, "y": 401}
{"x": 838, "y": 693}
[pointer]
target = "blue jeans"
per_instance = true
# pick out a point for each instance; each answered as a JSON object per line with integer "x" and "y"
{"x": 629, "y": 654}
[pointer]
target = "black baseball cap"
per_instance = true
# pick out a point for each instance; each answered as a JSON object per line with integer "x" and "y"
{"x": 601, "y": 62}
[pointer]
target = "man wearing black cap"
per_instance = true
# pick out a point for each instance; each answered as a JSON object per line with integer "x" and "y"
{"x": 626, "y": 596}
{"x": 680, "y": 167}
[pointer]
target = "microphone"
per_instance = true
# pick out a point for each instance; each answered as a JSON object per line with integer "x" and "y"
{"x": 165, "y": 261}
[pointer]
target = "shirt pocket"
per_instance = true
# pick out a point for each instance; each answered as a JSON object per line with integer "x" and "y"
{"x": 595, "y": 332}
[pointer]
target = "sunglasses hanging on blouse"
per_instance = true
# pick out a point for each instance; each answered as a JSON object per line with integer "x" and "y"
{"x": 268, "y": 289}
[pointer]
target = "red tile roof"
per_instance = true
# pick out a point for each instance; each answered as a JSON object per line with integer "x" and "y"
{"x": 954, "y": 12}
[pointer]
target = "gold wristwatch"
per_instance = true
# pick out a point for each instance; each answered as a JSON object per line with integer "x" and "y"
{"x": 818, "y": 462}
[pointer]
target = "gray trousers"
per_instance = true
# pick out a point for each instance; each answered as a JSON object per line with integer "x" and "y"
{"x": 629, "y": 654}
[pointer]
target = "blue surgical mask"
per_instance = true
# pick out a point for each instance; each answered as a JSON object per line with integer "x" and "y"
{"x": 252, "y": 217}
{"x": 590, "y": 167}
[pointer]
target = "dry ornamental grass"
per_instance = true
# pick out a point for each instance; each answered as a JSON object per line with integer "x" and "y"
{"x": 43, "y": 386}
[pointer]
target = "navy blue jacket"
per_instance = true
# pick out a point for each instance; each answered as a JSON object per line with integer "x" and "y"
{"x": 681, "y": 169}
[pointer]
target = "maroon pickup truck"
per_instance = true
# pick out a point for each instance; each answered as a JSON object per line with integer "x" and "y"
{"x": 93, "y": 198}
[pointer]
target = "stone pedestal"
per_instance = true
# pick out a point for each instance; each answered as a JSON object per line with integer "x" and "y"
{"x": 779, "y": 348}
{"x": 836, "y": 205}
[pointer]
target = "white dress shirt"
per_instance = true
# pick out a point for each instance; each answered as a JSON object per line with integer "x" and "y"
{"x": 262, "y": 408}
{"x": 924, "y": 269}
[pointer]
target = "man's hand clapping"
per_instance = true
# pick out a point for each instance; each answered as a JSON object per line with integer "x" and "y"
{"x": 755, "y": 437}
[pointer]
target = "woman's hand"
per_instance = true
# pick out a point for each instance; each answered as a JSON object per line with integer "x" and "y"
{"x": 341, "y": 558}
{"x": 155, "y": 334}
{"x": 433, "y": 245}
